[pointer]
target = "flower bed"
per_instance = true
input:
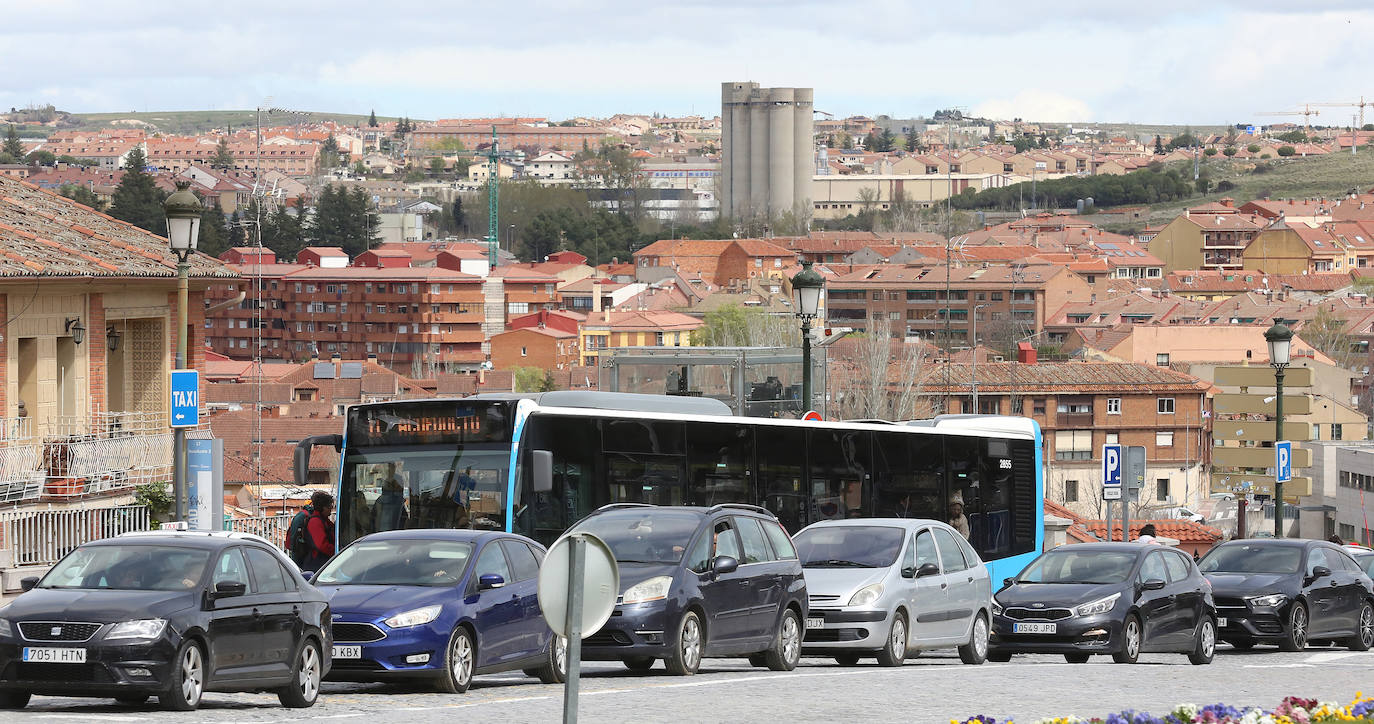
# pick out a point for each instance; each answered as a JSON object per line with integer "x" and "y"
{"x": 1293, "y": 710}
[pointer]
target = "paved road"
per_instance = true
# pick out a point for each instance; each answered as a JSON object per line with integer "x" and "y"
{"x": 931, "y": 689}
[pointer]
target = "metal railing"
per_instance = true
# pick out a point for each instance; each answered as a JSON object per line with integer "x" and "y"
{"x": 42, "y": 537}
{"x": 271, "y": 527}
{"x": 82, "y": 455}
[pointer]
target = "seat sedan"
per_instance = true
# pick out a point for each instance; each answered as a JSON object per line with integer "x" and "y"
{"x": 699, "y": 582}
{"x": 441, "y": 606}
{"x": 166, "y": 614}
{"x": 1122, "y": 599}
{"x": 1289, "y": 591}
{"x": 889, "y": 588}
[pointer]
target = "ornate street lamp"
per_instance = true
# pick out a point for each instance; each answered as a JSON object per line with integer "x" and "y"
{"x": 807, "y": 287}
{"x": 1280, "y": 340}
{"x": 182, "y": 210}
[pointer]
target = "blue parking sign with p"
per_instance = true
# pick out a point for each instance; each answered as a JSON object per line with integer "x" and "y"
{"x": 1283, "y": 461}
{"x": 1111, "y": 465}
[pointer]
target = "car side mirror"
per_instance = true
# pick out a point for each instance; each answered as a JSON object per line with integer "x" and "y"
{"x": 308, "y": 576}
{"x": 724, "y": 564}
{"x": 487, "y": 581}
{"x": 1154, "y": 584}
{"x": 27, "y": 583}
{"x": 1320, "y": 572}
{"x": 541, "y": 464}
{"x": 908, "y": 571}
{"x": 927, "y": 569}
{"x": 1008, "y": 581}
{"x": 230, "y": 589}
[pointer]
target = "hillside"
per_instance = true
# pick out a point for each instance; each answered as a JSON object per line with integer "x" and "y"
{"x": 191, "y": 122}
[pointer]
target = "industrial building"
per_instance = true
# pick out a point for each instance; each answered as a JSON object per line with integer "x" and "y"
{"x": 767, "y": 150}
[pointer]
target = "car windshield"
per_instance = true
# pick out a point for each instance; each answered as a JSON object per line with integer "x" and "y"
{"x": 644, "y": 535}
{"x": 401, "y": 562}
{"x": 129, "y": 567}
{"x": 1366, "y": 562}
{"x": 867, "y": 546}
{"x": 1079, "y": 566}
{"x": 1252, "y": 558}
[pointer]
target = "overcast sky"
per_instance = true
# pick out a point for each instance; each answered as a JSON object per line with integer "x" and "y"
{"x": 1165, "y": 61}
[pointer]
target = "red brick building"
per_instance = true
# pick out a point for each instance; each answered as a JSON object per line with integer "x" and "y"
{"x": 543, "y": 347}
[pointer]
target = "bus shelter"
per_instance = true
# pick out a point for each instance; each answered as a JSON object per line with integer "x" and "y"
{"x": 753, "y": 381}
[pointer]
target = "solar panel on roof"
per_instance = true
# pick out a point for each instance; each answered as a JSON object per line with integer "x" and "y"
{"x": 351, "y": 371}
{"x": 324, "y": 370}
{"x": 1107, "y": 246}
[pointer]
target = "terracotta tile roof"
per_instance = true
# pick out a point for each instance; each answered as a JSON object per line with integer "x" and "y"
{"x": 1072, "y": 376}
{"x": 46, "y": 235}
{"x": 643, "y": 320}
{"x": 1182, "y": 530}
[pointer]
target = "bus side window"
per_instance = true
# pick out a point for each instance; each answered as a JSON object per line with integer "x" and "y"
{"x": 718, "y": 463}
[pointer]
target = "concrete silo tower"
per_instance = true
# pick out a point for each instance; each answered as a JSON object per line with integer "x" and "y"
{"x": 767, "y": 154}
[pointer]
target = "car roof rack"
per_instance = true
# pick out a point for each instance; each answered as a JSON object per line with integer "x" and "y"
{"x": 617, "y": 506}
{"x": 744, "y": 506}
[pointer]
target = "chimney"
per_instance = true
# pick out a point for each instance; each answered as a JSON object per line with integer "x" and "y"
{"x": 596, "y": 297}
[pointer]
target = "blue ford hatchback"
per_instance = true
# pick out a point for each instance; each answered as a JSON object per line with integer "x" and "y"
{"x": 439, "y": 605}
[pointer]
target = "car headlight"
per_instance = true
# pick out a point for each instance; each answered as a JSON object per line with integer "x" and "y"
{"x": 414, "y": 618}
{"x": 1101, "y": 605}
{"x": 1267, "y": 601}
{"x": 996, "y": 608}
{"x": 5, "y": 628}
{"x": 654, "y": 589}
{"x": 867, "y": 595}
{"x": 148, "y": 628}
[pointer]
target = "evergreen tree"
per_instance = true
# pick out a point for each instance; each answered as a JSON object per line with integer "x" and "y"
{"x": 282, "y": 232}
{"x": 372, "y": 119}
{"x": 343, "y": 219}
{"x": 214, "y": 238}
{"x": 13, "y": 148}
{"x": 460, "y": 218}
{"x": 137, "y": 199}
{"x": 913, "y": 140}
{"x": 329, "y": 153}
{"x": 223, "y": 158}
{"x": 1159, "y": 146}
{"x": 236, "y": 235}
{"x": 82, "y": 195}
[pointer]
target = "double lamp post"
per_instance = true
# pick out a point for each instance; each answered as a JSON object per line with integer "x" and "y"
{"x": 182, "y": 210}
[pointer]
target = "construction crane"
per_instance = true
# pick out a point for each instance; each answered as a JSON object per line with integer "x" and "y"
{"x": 1306, "y": 114}
{"x": 1361, "y": 104}
{"x": 493, "y": 190}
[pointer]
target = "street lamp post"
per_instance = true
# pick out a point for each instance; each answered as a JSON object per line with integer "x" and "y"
{"x": 1280, "y": 340}
{"x": 975, "y": 356}
{"x": 807, "y": 287}
{"x": 182, "y": 210}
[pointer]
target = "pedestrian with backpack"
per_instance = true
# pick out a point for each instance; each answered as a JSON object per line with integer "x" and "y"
{"x": 295, "y": 534}
{"x": 319, "y": 532}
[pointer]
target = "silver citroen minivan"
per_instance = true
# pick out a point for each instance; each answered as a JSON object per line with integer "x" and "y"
{"x": 892, "y": 587}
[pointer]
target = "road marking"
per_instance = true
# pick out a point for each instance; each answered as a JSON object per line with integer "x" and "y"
{"x": 97, "y": 717}
{"x": 475, "y": 703}
{"x": 1328, "y": 656}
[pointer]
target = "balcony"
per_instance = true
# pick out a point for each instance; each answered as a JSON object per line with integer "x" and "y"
{"x": 79, "y": 456}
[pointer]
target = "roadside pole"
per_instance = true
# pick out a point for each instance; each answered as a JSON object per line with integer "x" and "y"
{"x": 1112, "y": 465}
{"x": 577, "y": 565}
{"x": 578, "y": 585}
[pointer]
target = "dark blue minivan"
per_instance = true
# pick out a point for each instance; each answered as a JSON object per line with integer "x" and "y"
{"x": 698, "y": 582}
{"x": 439, "y": 605}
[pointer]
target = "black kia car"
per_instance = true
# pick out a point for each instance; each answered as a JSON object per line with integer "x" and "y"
{"x": 1122, "y": 599}
{"x": 166, "y": 614}
{"x": 698, "y": 582}
{"x": 1289, "y": 591}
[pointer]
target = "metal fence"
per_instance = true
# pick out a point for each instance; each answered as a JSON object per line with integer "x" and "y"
{"x": 271, "y": 527}
{"x": 82, "y": 455}
{"x": 42, "y": 537}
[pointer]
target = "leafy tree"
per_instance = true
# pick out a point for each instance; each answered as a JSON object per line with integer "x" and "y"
{"x": 414, "y": 175}
{"x": 359, "y": 169}
{"x": 533, "y": 379}
{"x": 611, "y": 167}
{"x": 12, "y": 146}
{"x": 1287, "y": 151}
{"x": 734, "y": 325}
{"x": 137, "y": 199}
{"x": 1292, "y": 137}
{"x": 436, "y": 165}
{"x": 1225, "y": 185}
{"x": 1204, "y": 184}
{"x": 1331, "y": 334}
{"x": 223, "y": 158}
{"x": 74, "y": 161}
{"x": 42, "y": 158}
{"x": 1159, "y": 146}
{"x": 1209, "y": 152}
{"x": 82, "y": 195}
{"x": 329, "y": 153}
{"x": 1229, "y": 151}
{"x": 372, "y": 119}
{"x": 1184, "y": 140}
{"x": 1253, "y": 148}
{"x": 1023, "y": 143}
{"x": 1367, "y": 127}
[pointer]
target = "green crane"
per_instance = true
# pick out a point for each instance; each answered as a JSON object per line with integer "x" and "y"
{"x": 493, "y": 190}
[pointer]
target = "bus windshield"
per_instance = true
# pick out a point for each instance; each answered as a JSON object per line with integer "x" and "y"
{"x": 441, "y": 464}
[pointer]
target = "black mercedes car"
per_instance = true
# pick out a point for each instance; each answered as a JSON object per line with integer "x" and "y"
{"x": 1290, "y": 591}
{"x": 698, "y": 582}
{"x": 166, "y": 614}
{"x": 1122, "y": 599}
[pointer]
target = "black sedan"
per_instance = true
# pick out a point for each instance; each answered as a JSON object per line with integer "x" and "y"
{"x": 166, "y": 614}
{"x": 1121, "y": 599}
{"x": 1290, "y": 591}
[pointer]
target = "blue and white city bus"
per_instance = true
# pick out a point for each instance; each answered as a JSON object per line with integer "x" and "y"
{"x": 536, "y": 464}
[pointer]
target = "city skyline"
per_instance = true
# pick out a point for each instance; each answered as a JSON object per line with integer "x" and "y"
{"x": 1082, "y": 63}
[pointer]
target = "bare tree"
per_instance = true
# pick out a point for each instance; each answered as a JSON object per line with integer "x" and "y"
{"x": 875, "y": 377}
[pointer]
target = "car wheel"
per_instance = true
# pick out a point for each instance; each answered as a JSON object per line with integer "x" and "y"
{"x": 555, "y": 671}
{"x": 1205, "y": 646}
{"x": 785, "y": 652}
{"x": 188, "y": 679}
{"x": 459, "y": 660}
{"x": 131, "y": 699}
{"x": 1295, "y": 638}
{"x": 758, "y": 659}
{"x": 14, "y": 699}
{"x": 1363, "y": 639}
{"x": 999, "y": 657}
{"x": 685, "y": 658}
{"x": 976, "y": 650}
{"x": 1241, "y": 644}
{"x": 893, "y": 652}
{"x": 1077, "y": 658}
{"x": 304, "y": 688}
{"x": 638, "y": 663}
{"x": 847, "y": 659}
{"x": 1130, "y": 641}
